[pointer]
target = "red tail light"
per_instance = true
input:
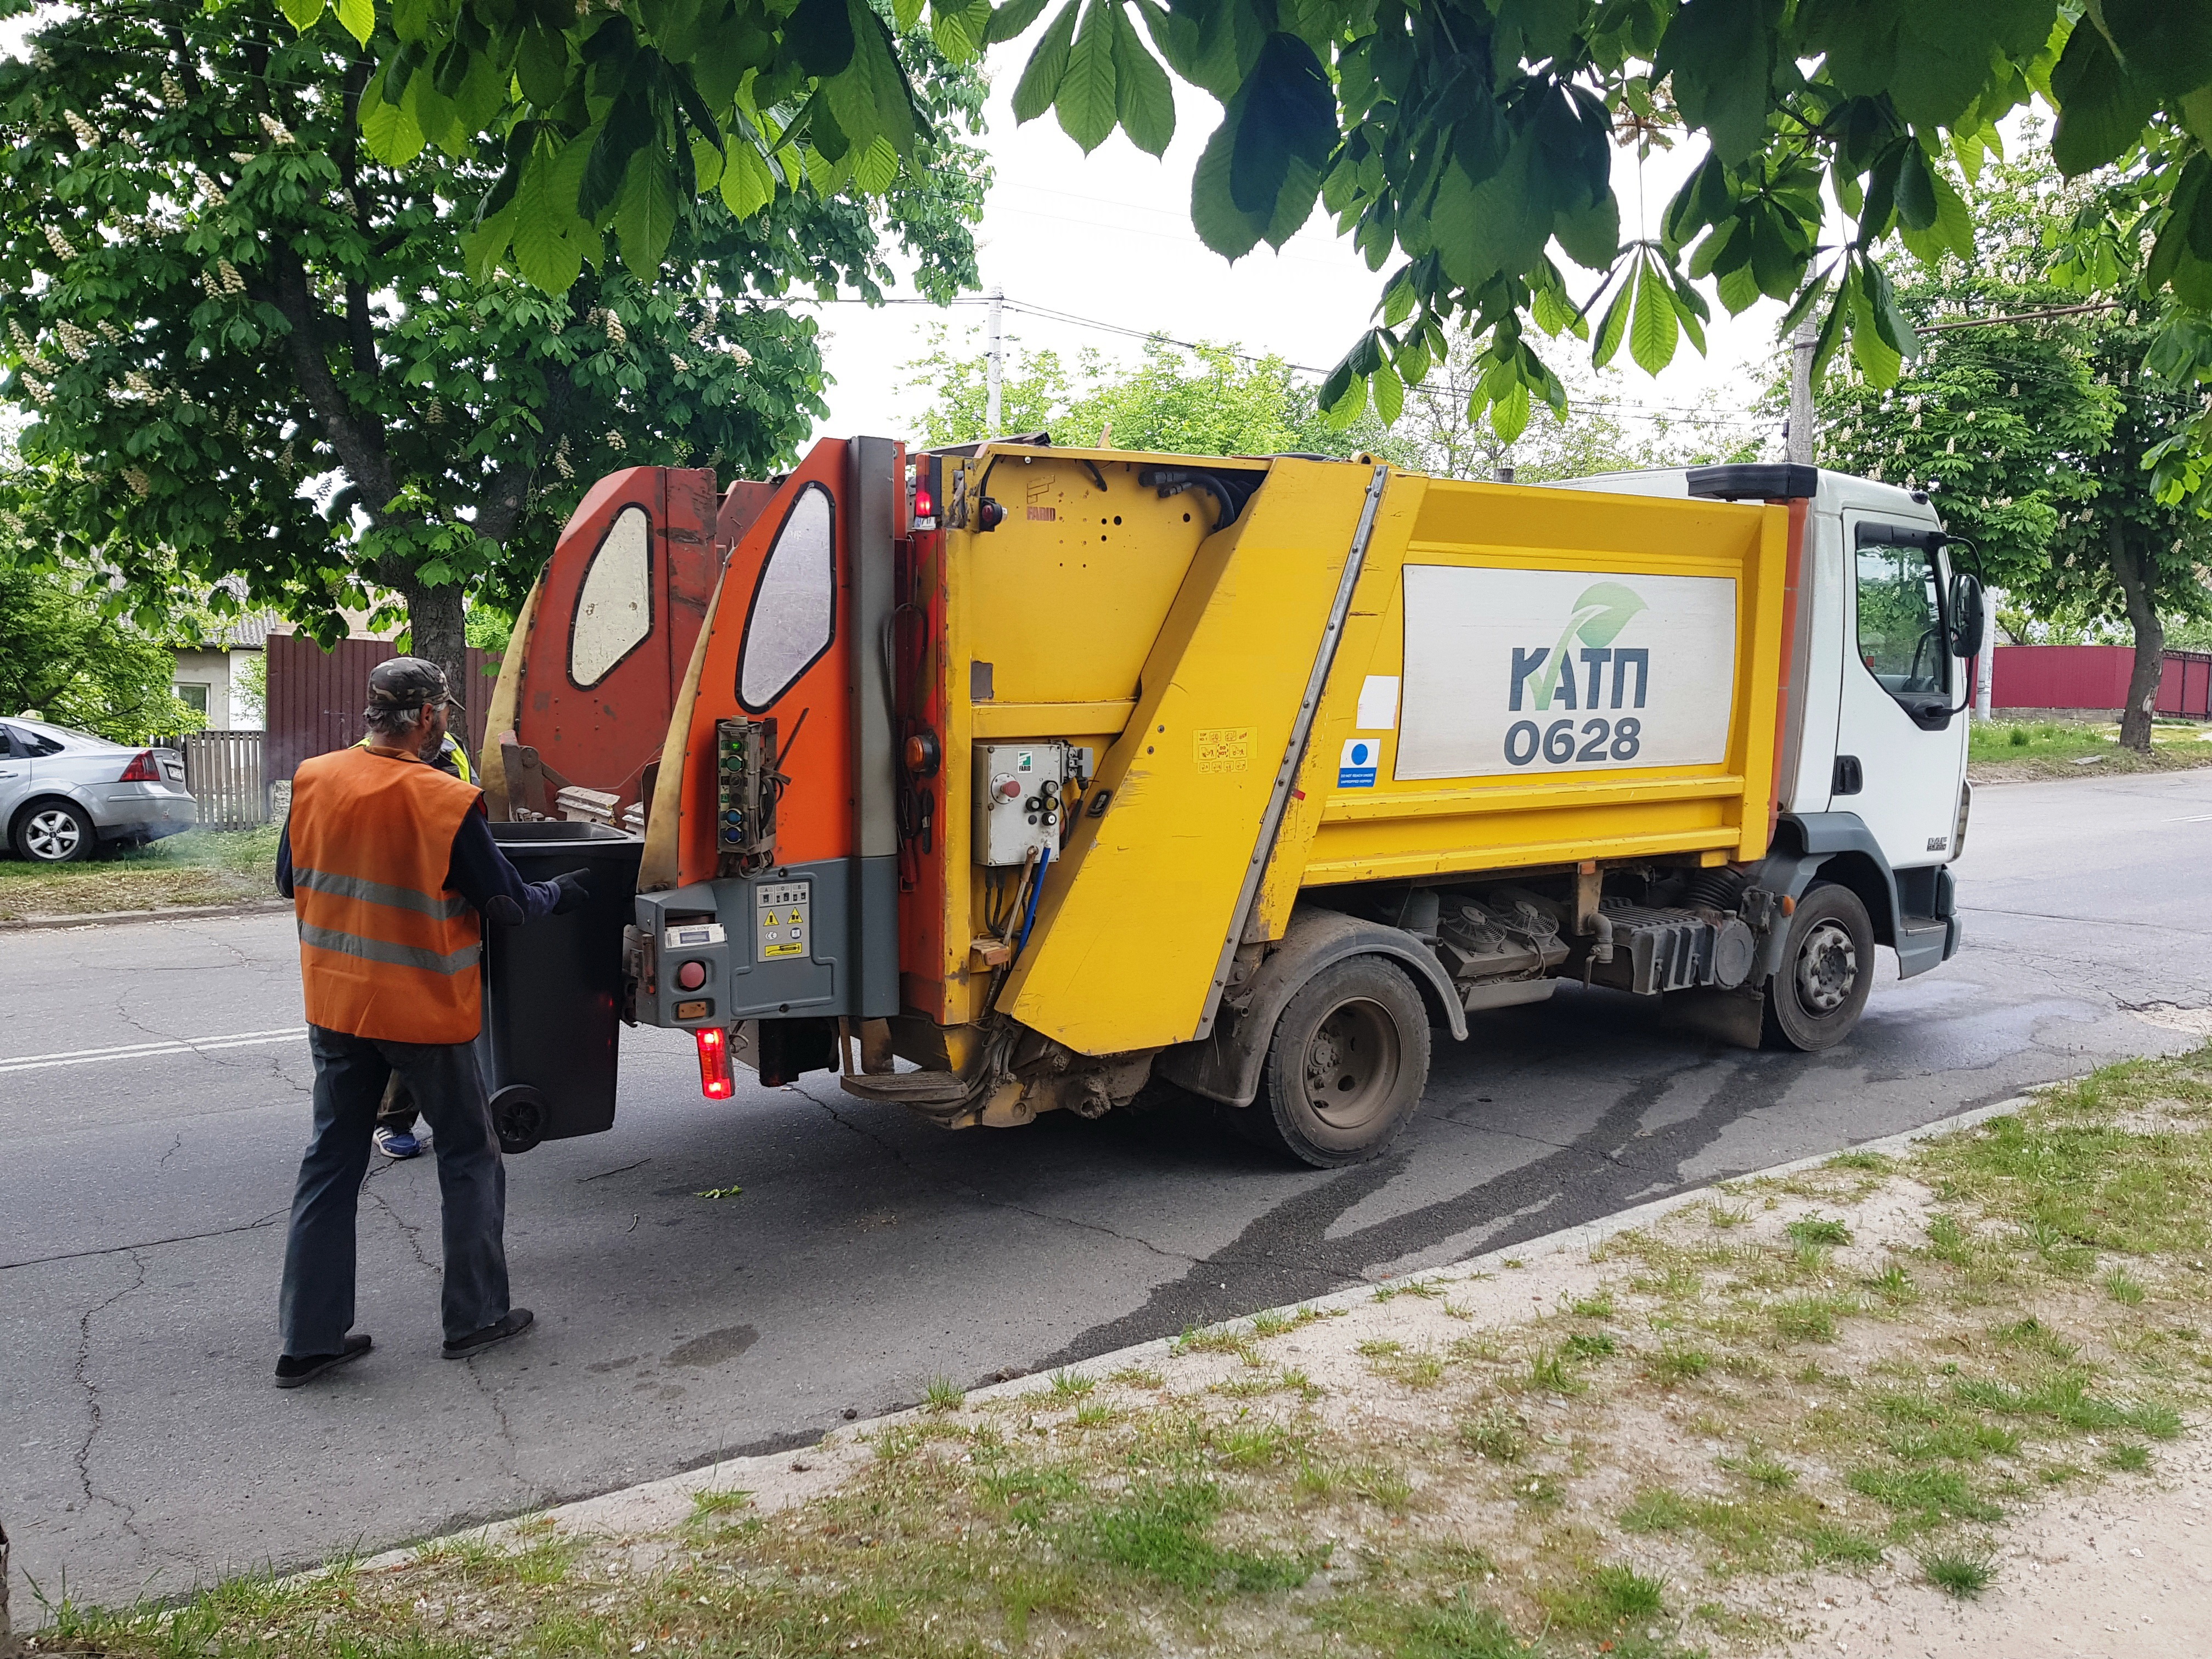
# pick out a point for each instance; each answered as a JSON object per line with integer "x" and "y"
{"x": 714, "y": 1080}
{"x": 142, "y": 769}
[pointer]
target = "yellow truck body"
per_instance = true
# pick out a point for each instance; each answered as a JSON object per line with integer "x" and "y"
{"x": 1051, "y": 770}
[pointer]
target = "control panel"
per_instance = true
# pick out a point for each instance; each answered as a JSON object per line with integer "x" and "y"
{"x": 1021, "y": 800}
{"x": 746, "y": 790}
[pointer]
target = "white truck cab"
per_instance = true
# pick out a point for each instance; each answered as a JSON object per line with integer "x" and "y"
{"x": 1872, "y": 774}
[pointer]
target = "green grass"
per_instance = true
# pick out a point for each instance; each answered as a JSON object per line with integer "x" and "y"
{"x": 2050, "y": 748}
{"x": 200, "y": 867}
{"x": 1958, "y": 1573}
{"x": 941, "y": 1393}
{"x": 1072, "y": 1385}
{"x": 1161, "y": 1531}
{"x": 1497, "y": 1434}
{"x": 1673, "y": 1364}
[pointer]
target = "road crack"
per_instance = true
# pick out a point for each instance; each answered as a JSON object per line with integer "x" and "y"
{"x": 81, "y": 1373}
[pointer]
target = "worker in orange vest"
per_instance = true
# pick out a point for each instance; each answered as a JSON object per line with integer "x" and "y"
{"x": 388, "y": 861}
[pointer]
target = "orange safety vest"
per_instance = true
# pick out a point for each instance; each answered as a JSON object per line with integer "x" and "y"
{"x": 384, "y": 950}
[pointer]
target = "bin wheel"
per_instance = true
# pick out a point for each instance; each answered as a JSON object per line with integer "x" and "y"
{"x": 1348, "y": 1066}
{"x": 1827, "y": 968}
{"x": 518, "y": 1112}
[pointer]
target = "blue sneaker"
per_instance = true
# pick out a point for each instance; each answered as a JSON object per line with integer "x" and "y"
{"x": 398, "y": 1143}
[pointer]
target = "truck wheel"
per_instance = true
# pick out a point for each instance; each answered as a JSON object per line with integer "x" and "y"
{"x": 1348, "y": 1065}
{"x": 1827, "y": 968}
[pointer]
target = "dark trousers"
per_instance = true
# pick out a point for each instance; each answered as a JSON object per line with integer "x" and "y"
{"x": 317, "y": 1306}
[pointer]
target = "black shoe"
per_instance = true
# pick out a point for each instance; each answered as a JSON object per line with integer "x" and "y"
{"x": 293, "y": 1370}
{"x": 517, "y": 1321}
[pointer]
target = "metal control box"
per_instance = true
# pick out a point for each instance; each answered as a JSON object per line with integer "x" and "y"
{"x": 1020, "y": 800}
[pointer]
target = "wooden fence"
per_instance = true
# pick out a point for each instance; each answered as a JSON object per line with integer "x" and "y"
{"x": 222, "y": 769}
{"x": 315, "y": 698}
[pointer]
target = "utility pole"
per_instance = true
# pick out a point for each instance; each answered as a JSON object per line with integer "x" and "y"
{"x": 995, "y": 367}
{"x": 1802, "y": 418}
{"x": 1985, "y": 662}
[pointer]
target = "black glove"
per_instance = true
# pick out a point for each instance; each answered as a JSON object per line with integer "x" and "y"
{"x": 576, "y": 891}
{"x": 504, "y": 911}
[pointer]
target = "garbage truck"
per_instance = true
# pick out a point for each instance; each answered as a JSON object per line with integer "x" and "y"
{"x": 1003, "y": 779}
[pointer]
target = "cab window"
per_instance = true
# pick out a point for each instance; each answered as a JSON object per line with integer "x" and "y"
{"x": 793, "y": 609}
{"x": 1901, "y": 620}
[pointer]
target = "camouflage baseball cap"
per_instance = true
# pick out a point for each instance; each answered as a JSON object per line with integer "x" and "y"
{"x": 405, "y": 683}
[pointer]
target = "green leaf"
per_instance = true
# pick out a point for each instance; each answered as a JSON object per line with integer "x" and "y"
{"x": 1285, "y": 119}
{"x": 359, "y": 17}
{"x": 1012, "y": 20}
{"x": 389, "y": 130}
{"x": 1040, "y": 83}
{"x": 1388, "y": 393}
{"x": 482, "y": 248}
{"x": 302, "y": 13}
{"x": 2102, "y": 109}
{"x": 645, "y": 214}
{"x": 748, "y": 186}
{"x": 819, "y": 34}
{"x": 959, "y": 27}
{"x": 1614, "y": 326}
{"x": 1220, "y": 223}
{"x": 903, "y": 13}
{"x": 1142, "y": 95}
{"x": 875, "y": 169}
{"x": 1916, "y": 188}
{"x": 1591, "y": 235}
{"x": 1653, "y": 331}
{"x": 1721, "y": 54}
{"x": 1877, "y": 359}
{"x": 543, "y": 251}
{"x": 1085, "y": 100}
{"x": 1508, "y": 415}
{"x": 541, "y": 63}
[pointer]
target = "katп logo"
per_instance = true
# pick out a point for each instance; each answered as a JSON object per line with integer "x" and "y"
{"x": 1600, "y": 615}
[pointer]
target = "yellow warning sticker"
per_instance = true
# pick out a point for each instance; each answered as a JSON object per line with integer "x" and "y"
{"x": 1223, "y": 748}
{"x": 781, "y": 950}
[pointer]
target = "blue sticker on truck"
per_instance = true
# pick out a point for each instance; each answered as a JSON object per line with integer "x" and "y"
{"x": 1356, "y": 770}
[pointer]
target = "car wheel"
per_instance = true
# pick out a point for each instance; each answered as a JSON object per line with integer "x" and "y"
{"x": 1346, "y": 1066}
{"x": 54, "y": 832}
{"x": 1827, "y": 968}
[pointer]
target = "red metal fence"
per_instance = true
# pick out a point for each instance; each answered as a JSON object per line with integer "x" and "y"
{"x": 315, "y": 698}
{"x": 2096, "y": 676}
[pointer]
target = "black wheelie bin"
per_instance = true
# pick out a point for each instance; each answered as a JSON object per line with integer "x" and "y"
{"x": 553, "y": 989}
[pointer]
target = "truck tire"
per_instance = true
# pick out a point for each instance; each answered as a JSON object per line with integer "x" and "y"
{"x": 1348, "y": 1063}
{"x": 1827, "y": 968}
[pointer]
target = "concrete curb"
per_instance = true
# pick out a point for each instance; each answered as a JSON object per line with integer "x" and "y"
{"x": 173, "y": 912}
{"x": 778, "y": 1480}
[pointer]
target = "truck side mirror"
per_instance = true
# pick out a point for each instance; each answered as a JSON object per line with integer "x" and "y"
{"x": 1966, "y": 620}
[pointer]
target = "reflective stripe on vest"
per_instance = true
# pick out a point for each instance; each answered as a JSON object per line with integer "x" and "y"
{"x": 386, "y": 951}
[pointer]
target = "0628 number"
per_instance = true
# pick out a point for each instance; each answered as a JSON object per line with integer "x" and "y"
{"x": 1602, "y": 741}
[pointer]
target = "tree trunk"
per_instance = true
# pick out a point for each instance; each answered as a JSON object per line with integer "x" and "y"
{"x": 439, "y": 627}
{"x": 2133, "y": 566}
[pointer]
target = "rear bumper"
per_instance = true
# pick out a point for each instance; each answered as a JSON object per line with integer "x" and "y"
{"x": 144, "y": 811}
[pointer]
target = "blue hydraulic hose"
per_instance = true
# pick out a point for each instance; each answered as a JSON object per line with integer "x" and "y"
{"x": 1029, "y": 919}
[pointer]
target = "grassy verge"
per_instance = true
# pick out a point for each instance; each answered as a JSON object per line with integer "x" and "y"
{"x": 200, "y": 867}
{"x": 1877, "y": 1365}
{"x": 2005, "y": 751}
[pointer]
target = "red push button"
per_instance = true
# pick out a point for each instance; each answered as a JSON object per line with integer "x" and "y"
{"x": 690, "y": 975}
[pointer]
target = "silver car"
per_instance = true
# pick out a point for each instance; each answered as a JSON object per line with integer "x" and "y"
{"x": 64, "y": 795}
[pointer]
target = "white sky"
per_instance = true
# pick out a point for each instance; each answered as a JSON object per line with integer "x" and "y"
{"x": 1108, "y": 237}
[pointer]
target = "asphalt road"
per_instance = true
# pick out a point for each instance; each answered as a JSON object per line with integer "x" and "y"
{"x": 153, "y": 1102}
